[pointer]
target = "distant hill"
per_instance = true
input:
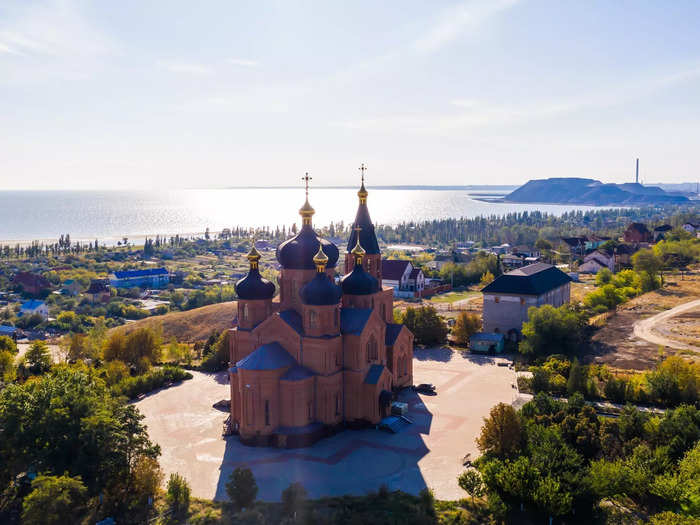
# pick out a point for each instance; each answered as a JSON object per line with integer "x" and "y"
{"x": 191, "y": 325}
{"x": 591, "y": 192}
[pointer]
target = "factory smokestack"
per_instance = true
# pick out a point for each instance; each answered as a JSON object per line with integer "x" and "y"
{"x": 636, "y": 177}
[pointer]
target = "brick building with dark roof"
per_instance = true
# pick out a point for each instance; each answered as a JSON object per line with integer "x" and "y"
{"x": 508, "y": 297}
{"x": 321, "y": 355}
{"x": 638, "y": 232}
{"x": 31, "y": 283}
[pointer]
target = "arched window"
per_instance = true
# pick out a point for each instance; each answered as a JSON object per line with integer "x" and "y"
{"x": 372, "y": 353}
{"x": 337, "y": 404}
{"x": 245, "y": 312}
{"x": 382, "y": 308}
{"x": 312, "y": 318}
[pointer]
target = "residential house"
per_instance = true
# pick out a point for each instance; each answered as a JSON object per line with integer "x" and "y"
{"x": 526, "y": 251}
{"x": 98, "y": 291}
{"x": 34, "y": 306}
{"x": 637, "y": 232}
{"x": 149, "y": 278}
{"x": 661, "y": 231}
{"x": 577, "y": 245}
{"x": 31, "y": 283}
{"x": 593, "y": 242}
{"x": 71, "y": 287}
{"x": 596, "y": 261}
{"x": 416, "y": 281}
{"x": 396, "y": 273}
{"x": 691, "y": 227}
{"x": 511, "y": 261}
{"x": 508, "y": 297}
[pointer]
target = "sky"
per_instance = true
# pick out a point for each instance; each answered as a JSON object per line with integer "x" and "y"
{"x": 179, "y": 94}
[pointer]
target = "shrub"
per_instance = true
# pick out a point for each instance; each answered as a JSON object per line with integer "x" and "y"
{"x": 293, "y": 498}
{"x": 242, "y": 488}
{"x": 132, "y": 387}
{"x": 53, "y": 499}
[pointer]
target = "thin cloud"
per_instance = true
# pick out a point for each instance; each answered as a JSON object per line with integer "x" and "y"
{"x": 453, "y": 22}
{"x": 188, "y": 68}
{"x": 243, "y": 62}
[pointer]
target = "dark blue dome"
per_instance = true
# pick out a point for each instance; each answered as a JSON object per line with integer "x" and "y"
{"x": 253, "y": 286}
{"x": 320, "y": 291}
{"x": 298, "y": 252}
{"x": 359, "y": 282}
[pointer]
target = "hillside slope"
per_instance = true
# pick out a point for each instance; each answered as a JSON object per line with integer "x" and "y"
{"x": 192, "y": 325}
{"x": 590, "y": 191}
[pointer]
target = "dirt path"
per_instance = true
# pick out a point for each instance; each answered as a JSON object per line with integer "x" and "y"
{"x": 644, "y": 329}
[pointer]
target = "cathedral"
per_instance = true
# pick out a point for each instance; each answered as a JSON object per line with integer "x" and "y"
{"x": 320, "y": 356}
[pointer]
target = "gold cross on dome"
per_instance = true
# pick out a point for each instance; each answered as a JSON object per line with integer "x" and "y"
{"x": 358, "y": 229}
{"x": 306, "y": 179}
{"x": 362, "y": 169}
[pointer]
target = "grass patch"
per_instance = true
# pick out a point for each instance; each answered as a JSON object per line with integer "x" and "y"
{"x": 452, "y": 297}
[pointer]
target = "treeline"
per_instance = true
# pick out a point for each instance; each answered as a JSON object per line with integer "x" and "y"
{"x": 528, "y": 227}
{"x": 561, "y": 459}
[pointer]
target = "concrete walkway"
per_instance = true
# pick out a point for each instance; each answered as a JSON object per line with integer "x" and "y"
{"x": 427, "y": 453}
{"x": 644, "y": 329}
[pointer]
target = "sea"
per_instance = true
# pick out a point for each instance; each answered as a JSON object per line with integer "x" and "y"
{"x": 109, "y": 216}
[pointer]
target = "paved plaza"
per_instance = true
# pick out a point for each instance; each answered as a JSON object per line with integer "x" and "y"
{"x": 427, "y": 453}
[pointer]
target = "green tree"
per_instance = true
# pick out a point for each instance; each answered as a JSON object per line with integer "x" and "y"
{"x": 53, "y": 499}
{"x": 552, "y": 330}
{"x": 242, "y": 488}
{"x": 501, "y": 434}
{"x": 466, "y": 325}
{"x": 38, "y": 357}
{"x": 577, "y": 378}
{"x": 645, "y": 261}
{"x": 8, "y": 371}
{"x": 7, "y": 344}
{"x": 552, "y": 497}
{"x": 427, "y": 326}
{"x": 178, "y": 494}
{"x": 470, "y": 481}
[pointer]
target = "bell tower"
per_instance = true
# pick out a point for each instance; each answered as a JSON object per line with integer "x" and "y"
{"x": 363, "y": 229}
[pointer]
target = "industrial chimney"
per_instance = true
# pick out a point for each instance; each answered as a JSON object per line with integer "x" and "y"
{"x": 636, "y": 177}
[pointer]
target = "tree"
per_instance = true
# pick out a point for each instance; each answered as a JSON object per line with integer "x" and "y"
{"x": 293, "y": 498}
{"x": 141, "y": 348}
{"x": 645, "y": 261}
{"x": 53, "y": 499}
{"x": 552, "y": 497}
{"x": 466, "y": 325}
{"x": 470, "y": 481}
{"x": 501, "y": 434}
{"x": 38, "y": 357}
{"x": 552, "y": 330}
{"x": 486, "y": 278}
{"x": 242, "y": 488}
{"x": 8, "y": 370}
{"x": 7, "y": 344}
{"x": 178, "y": 494}
{"x": 427, "y": 326}
{"x": 577, "y": 378}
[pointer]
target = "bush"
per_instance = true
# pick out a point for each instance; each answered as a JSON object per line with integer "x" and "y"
{"x": 132, "y": 387}
{"x": 552, "y": 330}
{"x": 216, "y": 353}
{"x": 178, "y": 494}
{"x": 466, "y": 325}
{"x": 7, "y": 344}
{"x": 53, "y": 499}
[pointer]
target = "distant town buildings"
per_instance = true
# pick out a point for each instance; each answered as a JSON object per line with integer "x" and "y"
{"x": 34, "y": 306}
{"x": 149, "y": 278}
{"x": 98, "y": 292}
{"x": 403, "y": 277}
{"x": 508, "y": 297}
{"x": 71, "y": 287}
{"x": 31, "y": 283}
{"x": 637, "y": 232}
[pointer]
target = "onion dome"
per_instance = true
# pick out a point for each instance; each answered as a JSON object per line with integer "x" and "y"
{"x": 253, "y": 286}
{"x": 367, "y": 237}
{"x": 359, "y": 282}
{"x": 320, "y": 291}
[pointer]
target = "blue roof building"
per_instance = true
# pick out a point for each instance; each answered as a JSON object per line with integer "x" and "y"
{"x": 148, "y": 278}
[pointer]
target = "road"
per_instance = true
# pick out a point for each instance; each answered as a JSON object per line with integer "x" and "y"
{"x": 644, "y": 329}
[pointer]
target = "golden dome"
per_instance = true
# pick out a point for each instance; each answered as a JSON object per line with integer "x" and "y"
{"x": 253, "y": 255}
{"x": 306, "y": 212}
{"x": 320, "y": 259}
{"x": 362, "y": 193}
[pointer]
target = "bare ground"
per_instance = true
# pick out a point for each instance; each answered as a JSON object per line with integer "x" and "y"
{"x": 192, "y": 325}
{"x": 616, "y": 345}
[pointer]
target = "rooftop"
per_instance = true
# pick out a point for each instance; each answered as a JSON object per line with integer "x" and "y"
{"x": 533, "y": 279}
